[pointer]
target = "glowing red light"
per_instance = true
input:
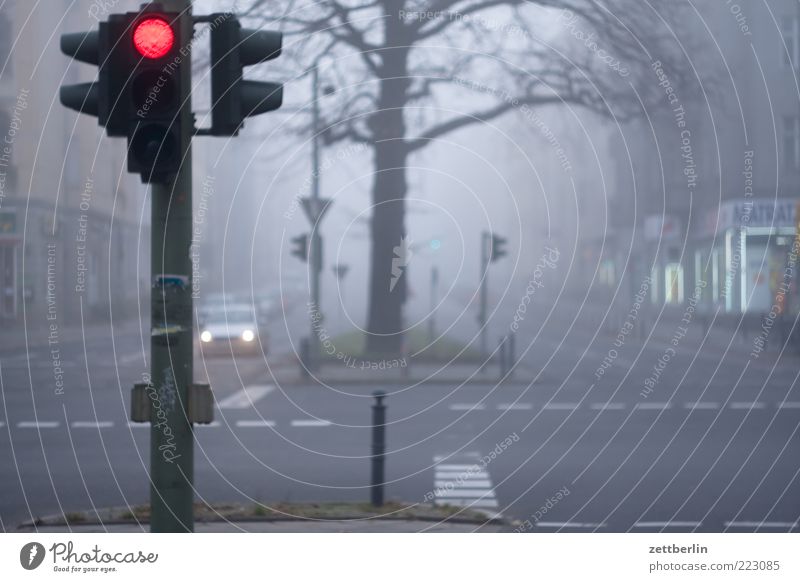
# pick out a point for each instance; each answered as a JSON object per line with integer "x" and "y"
{"x": 153, "y": 38}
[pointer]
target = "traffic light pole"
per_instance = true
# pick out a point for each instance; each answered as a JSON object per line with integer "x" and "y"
{"x": 485, "y": 258}
{"x": 314, "y": 270}
{"x": 171, "y": 355}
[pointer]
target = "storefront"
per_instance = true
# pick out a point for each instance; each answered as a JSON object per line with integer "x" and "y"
{"x": 743, "y": 253}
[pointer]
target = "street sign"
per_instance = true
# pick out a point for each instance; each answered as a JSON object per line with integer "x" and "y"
{"x": 315, "y": 208}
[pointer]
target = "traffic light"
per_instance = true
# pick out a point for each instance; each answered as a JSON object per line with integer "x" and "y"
{"x": 138, "y": 92}
{"x": 300, "y": 247}
{"x": 150, "y": 81}
{"x": 87, "y": 47}
{"x": 497, "y": 250}
{"x": 234, "y": 98}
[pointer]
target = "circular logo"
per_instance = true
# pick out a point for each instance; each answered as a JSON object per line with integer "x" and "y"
{"x": 31, "y": 555}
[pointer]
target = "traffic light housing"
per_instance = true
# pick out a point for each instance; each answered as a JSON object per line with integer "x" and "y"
{"x": 87, "y": 47}
{"x": 151, "y": 80}
{"x": 300, "y": 247}
{"x": 497, "y": 250}
{"x": 232, "y": 97}
{"x": 138, "y": 92}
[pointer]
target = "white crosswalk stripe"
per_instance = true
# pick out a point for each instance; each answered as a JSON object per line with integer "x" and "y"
{"x": 246, "y": 397}
{"x": 460, "y": 481}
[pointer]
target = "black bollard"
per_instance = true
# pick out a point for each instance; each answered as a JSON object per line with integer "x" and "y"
{"x": 378, "y": 447}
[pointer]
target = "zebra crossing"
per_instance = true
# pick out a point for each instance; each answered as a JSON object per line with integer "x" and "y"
{"x": 463, "y": 481}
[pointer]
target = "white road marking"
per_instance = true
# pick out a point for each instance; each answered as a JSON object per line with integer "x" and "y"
{"x": 747, "y": 405}
{"x": 608, "y": 406}
{"x": 465, "y": 485}
{"x": 561, "y": 406}
{"x": 311, "y": 422}
{"x": 701, "y": 405}
{"x": 92, "y": 424}
{"x": 255, "y": 423}
{"x": 469, "y": 482}
{"x": 641, "y": 524}
{"x": 246, "y": 397}
{"x": 653, "y": 406}
{"x": 789, "y": 405}
{"x": 138, "y": 424}
{"x": 472, "y": 467}
{"x": 763, "y": 524}
{"x": 2, "y": 424}
{"x": 462, "y": 475}
{"x": 463, "y": 407}
{"x": 517, "y": 406}
{"x": 40, "y": 424}
{"x": 571, "y": 524}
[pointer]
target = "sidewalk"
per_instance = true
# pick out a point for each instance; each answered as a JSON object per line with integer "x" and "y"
{"x": 288, "y": 371}
{"x": 324, "y": 517}
{"x": 292, "y": 526}
{"x": 18, "y": 337}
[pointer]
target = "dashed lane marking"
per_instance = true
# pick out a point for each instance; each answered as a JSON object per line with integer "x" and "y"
{"x": 92, "y": 424}
{"x": 255, "y": 423}
{"x": 464, "y": 407}
{"x": 515, "y": 406}
{"x": 310, "y": 422}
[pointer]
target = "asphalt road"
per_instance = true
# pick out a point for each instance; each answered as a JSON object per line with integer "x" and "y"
{"x": 713, "y": 446}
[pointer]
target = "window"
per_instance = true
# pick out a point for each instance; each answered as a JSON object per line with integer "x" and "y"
{"x": 789, "y": 46}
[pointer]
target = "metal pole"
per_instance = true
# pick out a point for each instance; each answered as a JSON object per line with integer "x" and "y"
{"x": 483, "y": 292}
{"x": 313, "y": 346}
{"x": 434, "y": 299}
{"x": 171, "y": 346}
{"x": 378, "y": 448}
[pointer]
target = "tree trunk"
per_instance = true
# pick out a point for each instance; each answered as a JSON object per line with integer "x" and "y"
{"x": 388, "y": 277}
{"x": 387, "y": 286}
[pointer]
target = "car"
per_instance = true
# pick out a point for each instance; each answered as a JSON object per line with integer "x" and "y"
{"x": 230, "y": 330}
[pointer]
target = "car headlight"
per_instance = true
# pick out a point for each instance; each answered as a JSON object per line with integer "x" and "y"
{"x": 248, "y": 335}
{"x": 205, "y": 336}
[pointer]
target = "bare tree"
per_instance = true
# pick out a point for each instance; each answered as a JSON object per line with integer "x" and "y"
{"x": 476, "y": 59}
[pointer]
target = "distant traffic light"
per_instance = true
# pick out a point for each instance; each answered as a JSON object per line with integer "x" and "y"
{"x": 498, "y": 250}
{"x": 300, "y": 247}
{"x": 233, "y": 98}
